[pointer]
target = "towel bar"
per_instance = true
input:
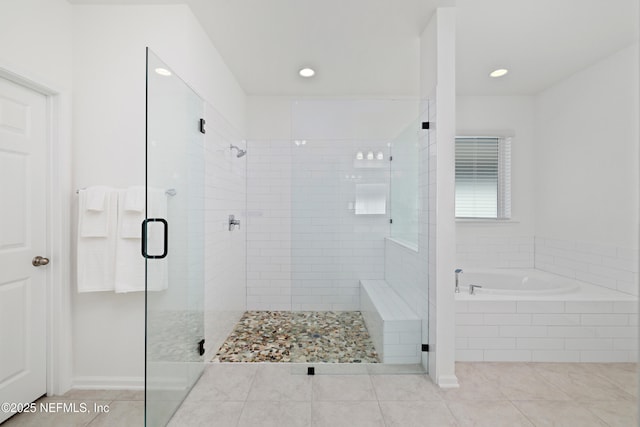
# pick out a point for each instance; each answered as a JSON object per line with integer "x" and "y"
{"x": 169, "y": 192}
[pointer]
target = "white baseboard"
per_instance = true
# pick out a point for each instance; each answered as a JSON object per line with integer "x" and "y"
{"x": 108, "y": 383}
{"x": 448, "y": 381}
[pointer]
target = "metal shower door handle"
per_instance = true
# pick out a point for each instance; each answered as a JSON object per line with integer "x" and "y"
{"x": 165, "y": 249}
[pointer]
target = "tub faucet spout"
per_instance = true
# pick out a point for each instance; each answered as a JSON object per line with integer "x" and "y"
{"x": 472, "y": 289}
{"x": 457, "y": 271}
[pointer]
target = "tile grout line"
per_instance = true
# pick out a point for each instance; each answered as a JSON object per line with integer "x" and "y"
{"x": 246, "y": 399}
{"x": 522, "y": 413}
{"x": 109, "y": 404}
{"x": 584, "y": 405}
{"x": 579, "y": 403}
{"x": 595, "y": 374}
{"x": 375, "y": 393}
{"x": 612, "y": 383}
{"x": 446, "y": 405}
{"x": 311, "y": 402}
{"x": 453, "y": 417}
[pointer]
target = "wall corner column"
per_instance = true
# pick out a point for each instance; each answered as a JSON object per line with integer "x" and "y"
{"x": 438, "y": 86}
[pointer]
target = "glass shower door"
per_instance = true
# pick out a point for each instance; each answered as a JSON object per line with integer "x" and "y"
{"x": 405, "y": 198}
{"x": 341, "y": 206}
{"x": 172, "y": 241}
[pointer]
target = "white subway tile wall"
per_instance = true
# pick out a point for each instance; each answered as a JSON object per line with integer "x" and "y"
{"x": 225, "y": 194}
{"x": 547, "y": 331}
{"x": 607, "y": 266}
{"x": 333, "y": 246}
{"x": 495, "y": 252}
{"x": 269, "y": 225}
{"x": 307, "y": 248}
{"x": 402, "y": 273}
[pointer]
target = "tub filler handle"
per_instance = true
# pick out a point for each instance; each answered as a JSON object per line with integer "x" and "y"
{"x": 472, "y": 289}
{"x": 457, "y": 271}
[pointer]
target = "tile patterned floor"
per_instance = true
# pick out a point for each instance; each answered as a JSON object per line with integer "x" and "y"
{"x": 126, "y": 409}
{"x": 490, "y": 394}
{"x": 299, "y": 336}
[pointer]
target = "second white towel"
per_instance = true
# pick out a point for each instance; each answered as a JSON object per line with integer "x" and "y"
{"x": 97, "y": 242}
{"x": 95, "y": 214}
{"x": 130, "y": 264}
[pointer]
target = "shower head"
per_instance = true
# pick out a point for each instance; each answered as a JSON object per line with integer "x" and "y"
{"x": 241, "y": 152}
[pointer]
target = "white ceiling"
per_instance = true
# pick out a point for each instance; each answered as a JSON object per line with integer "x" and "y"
{"x": 370, "y": 47}
{"x": 357, "y": 47}
{"x": 539, "y": 41}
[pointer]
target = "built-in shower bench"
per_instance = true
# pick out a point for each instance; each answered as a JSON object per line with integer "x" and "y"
{"x": 393, "y": 326}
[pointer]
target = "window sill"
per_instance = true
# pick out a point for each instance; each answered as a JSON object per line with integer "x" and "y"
{"x": 486, "y": 221}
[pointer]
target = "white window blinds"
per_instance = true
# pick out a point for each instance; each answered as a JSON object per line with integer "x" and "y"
{"x": 483, "y": 177}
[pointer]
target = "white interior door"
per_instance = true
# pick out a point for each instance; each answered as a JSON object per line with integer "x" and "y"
{"x": 23, "y": 236}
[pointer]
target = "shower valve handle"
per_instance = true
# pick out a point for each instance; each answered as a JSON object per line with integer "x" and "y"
{"x": 233, "y": 222}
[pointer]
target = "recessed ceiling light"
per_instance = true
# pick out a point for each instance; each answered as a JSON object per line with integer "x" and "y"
{"x": 163, "y": 71}
{"x": 499, "y": 72}
{"x": 307, "y": 72}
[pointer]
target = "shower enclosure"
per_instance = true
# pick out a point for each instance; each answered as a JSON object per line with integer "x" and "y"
{"x": 339, "y": 206}
{"x": 322, "y": 209}
{"x": 173, "y": 241}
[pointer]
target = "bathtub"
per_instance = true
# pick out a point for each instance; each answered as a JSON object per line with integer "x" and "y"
{"x": 516, "y": 282}
{"x": 535, "y": 316}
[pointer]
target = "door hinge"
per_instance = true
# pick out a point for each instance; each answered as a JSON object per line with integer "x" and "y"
{"x": 201, "y": 347}
{"x": 390, "y": 158}
{"x": 425, "y": 125}
{"x": 202, "y": 122}
{"x": 425, "y": 347}
{"x": 390, "y": 221}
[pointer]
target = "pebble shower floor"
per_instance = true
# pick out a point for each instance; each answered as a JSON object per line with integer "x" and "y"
{"x": 299, "y": 337}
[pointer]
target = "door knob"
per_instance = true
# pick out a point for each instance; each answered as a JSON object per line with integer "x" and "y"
{"x": 39, "y": 261}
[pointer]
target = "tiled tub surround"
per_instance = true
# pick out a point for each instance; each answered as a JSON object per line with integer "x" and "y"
{"x": 491, "y": 251}
{"x": 611, "y": 267}
{"x": 394, "y": 327}
{"x": 592, "y": 324}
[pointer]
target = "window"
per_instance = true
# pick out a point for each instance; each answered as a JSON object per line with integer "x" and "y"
{"x": 483, "y": 177}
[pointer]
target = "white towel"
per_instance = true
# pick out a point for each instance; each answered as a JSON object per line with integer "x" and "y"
{"x": 130, "y": 264}
{"x": 134, "y": 199}
{"x": 131, "y": 215}
{"x": 96, "y": 255}
{"x": 94, "y": 220}
{"x": 96, "y": 197}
